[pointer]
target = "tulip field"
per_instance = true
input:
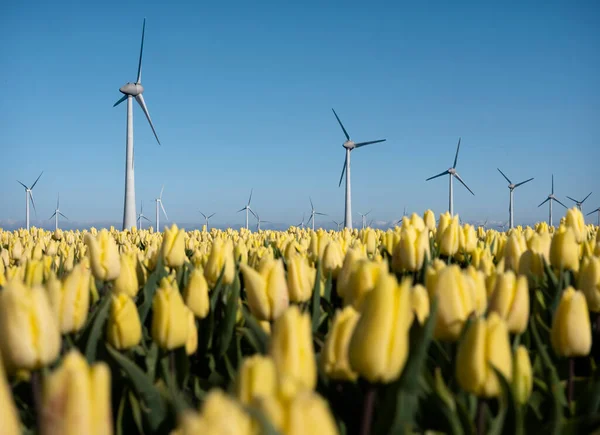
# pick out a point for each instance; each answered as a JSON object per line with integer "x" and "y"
{"x": 428, "y": 327}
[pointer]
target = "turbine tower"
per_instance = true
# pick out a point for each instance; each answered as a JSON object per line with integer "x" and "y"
{"x": 512, "y": 187}
{"x": 594, "y": 211}
{"x": 579, "y": 203}
{"x": 247, "y": 208}
{"x": 364, "y": 218}
{"x": 349, "y": 146}
{"x": 130, "y": 91}
{"x": 452, "y": 173}
{"x": 159, "y": 203}
{"x": 313, "y": 213}
{"x": 29, "y": 196}
{"x": 57, "y": 212}
{"x": 141, "y": 216}
{"x": 206, "y": 218}
{"x": 549, "y": 199}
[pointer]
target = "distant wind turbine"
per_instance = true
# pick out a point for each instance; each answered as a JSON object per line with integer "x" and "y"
{"x": 301, "y": 224}
{"x": 160, "y": 203}
{"x": 248, "y": 209}
{"x": 349, "y": 146}
{"x": 29, "y": 196}
{"x": 579, "y": 203}
{"x": 338, "y": 224}
{"x": 313, "y": 213}
{"x": 549, "y": 199}
{"x": 512, "y": 187}
{"x": 141, "y": 216}
{"x": 130, "y": 91}
{"x": 452, "y": 173}
{"x": 594, "y": 211}
{"x": 57, "y": 212}
{"x": 259, "y": 221}
{"x": 364, "y": 218}
{"x": 207, "y": 218}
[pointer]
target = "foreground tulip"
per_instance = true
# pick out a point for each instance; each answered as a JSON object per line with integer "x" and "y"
{"x": 379, "y": 345}
{"x": 333, "y": 259}
{"x": 292, "y": 350}
{"x": 104, "y": 256}
{"x": 34, "y": 273}
{"x": 571, "y": 333}
{"x": 300, "y": 278}
{"x": 266, "y": 290}
{"x": 29, "y": 333}
{"x": 124, "y": 329}
{"x": 9, "y": 415}
{"x": 513, "y": 250}
{"x": 467, "y": 239}
{"x": 363, "y": 280}
{"x": 76, "y": 399}
{"x": 575, "y": 221}
{"x": 256, "y": 379}
{"x": 589, "y": 282}
{"x": 522, "y": 382}
{"x": 348, "y": 267}
{"x": 191, "y": 344}
{"x": 448, "y": 234}
{"x": 511, "y": 301}
{"x": 334, "y": 357}
{"x": 71, "y": 299}
{"x": 419, "y": 303}
{"x": 169, "y": 317}
{"x": 485, "y": 345}
{"x": 127, "y": 282}
{"x": 173, "y": 246}
{"x": 564, "y": 250}
{"x": 411, "y": 251}
{"x": 220, "y": 261}
{"x": 429, "y": 219}
{"x": 195, "y": 294}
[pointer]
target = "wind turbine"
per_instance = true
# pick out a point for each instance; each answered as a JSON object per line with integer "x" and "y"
{"x": 594, "y": 211}
{"x": 301, "y": 224}
{"x": 512, "y": 187}
{"x": 29, "y": 196}
{"x": 159, "y": 203}
{"x": 259, "y": 221}
{"x": 549, "y": 199}
{"x": 452, "y": 173}
{"x": 206, "y": 218}
{"x": 338, "y": 224}
{"x": 141, "y": 215}
{"x": 57, "y": 212}
{"x": 364, "y": 218}
{"x": 313, "y": 213}
{"x": 579, "y": 203}
{"x": 130, "y": 91}
{"x": 349, "y": 146}
{"x": 248, "y": 209}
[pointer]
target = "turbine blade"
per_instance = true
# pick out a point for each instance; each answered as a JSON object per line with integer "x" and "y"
{"x": 309, "y": 219}
{"x": 53, "y": 214}
{"x": 250, "y": 199}
{"x": 463, "y": 183}
{"x": 544, "y": 202}
{"x": 36, "y": 180}
{"x": 161, "y": 192}
{"x": 593, "y": 211}
{"x": 32, "y": 201}
{"x": 123, "y": 98}
{"x": 574, "y": 200}
{"x": 456, "y": 156}
{"x": 322, "y": 214}
{"x": 58, "y": 201}
{"x": 266, "y": 222}
{"x": 241, "y": 209}
{"x": 523, "y": 182}
{"x": 438, "y": 175}
{"x": 22, "y": 184}
{"x": 509, "y": 182}
{"x": 560, "y": 202}
{"x": 341, "y": 125}
{"x": 586, "y": 197}
{"x": 343, "y": 170}
{"x": 203, "y": 215}
{"x": 146, "y": 218}
{"x": 63, "y": 215}
{"x": 362, "y": 144}
{"x": 211, "y": 215}
{"x": 311, "y": 204}
{"x": 553, "y": 184}
{"x": 163, "y": 209}
{"x": 139, "y": 74}
{"x": 254, "y": 214}
{"x": 140, "y": 99}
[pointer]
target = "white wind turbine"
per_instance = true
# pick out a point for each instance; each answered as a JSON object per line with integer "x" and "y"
{"x": 594, "y": 211}
{"x": 301, "y": 224}
{"x": 247, "y": 208}
{"x": 549, "y": 199}
{"x": 338, "y": 224}
{"x": 512, "y": 187}
{"x": 57, "y": 212}
{"x": 29, "y": 196}
{"x": 207, "y": 218}
{"x": 130, "y": 91}
{"x": 259, "y": 221}
{"x": 160, "y": 203}
{"x": 452, "y": 173}
{"x": 349, "y": 146}
{"x": 579, "y": 203}
{"x": 364, "y": 218}
{"x": 313, "y": 213}
{"x": 141, "y": 215}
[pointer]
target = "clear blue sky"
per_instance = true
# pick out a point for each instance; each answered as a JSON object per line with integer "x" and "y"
{"x": 241, "y": 96}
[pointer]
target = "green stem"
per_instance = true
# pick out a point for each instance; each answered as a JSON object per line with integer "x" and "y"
{"x": 36, "y": 390}
{"x": 481, "y": 416}
{"x": 570, "y": 381}
{"x": 368, "y": 407}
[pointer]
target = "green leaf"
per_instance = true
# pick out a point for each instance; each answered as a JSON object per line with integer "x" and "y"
{"x": 150, "y": 287}
{"x": 509, "y": 419}
{"x": 228, "y": 325}
{"x": 214, "y": 297}
{"x": 136, "y": 412}
{"x": 589, "y": 402}
{"x": 261, "y": 339}
{"x": 96, "y": 329}
{"x": 266, "y": 428}
{"x": 316, "y": 299}
{"x": 151, "y": 359}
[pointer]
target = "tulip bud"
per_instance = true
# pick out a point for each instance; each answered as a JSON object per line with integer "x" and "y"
{"x": 370, "y": 240}
{"x": 307, "y": 413}
{"x": 257, "y": 379}
{"x": 173, "y": 246}
{"x": 348, "y": 267}
{"x": 266, "y": 290}
{"x": 589, "y": 282}
{"x": 292, "y": 350}
{"x": 522, "y": 375}
{"x": 571, "y": 333}
{"x": 333, "y": 258}
{"x": 191, "y": 344}
{"x": 334, "y": 357}
{"x": 477, "y": 279}
{"x": 411, "y": 251}
{"x": 104, "y": 256}
{"x": 419, "y": 303}
{"x": 195, "y": 294}
{"x": 76, "y": 399}
{"x": 363, "y": 280}
{"x": 514, "y": 248}
{"x": 34, "y": 273}
{"x": 564, "y": 251}
{"x": 575, "y": 220}
{"x": 169, "y": 317}
{"x": 448, "y": 235}
{"x": 467, "y": 239}
{"x": 127, "y": 282}
{"x": 240, "y": 252}
{"x": 484, "y": 346}
{"x": 429, "y": 219}
{"x": 511, "y": 301}
{"x": 71, "y": 300}
{"x": 124, "y": 329}
{"x": 221, "y": 257}
{"x": 300, "y": 278}
{"x": 379, "y": 346}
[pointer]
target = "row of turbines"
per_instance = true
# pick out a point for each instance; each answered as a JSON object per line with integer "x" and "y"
{"x": 135, "y": 91}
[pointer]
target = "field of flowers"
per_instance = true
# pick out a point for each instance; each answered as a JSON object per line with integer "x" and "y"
{"x": 427, "y": 327}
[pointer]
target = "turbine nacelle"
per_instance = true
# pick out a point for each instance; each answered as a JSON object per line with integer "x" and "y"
{"x": 452, "y": 171}
{"x": 349, "y": 145}
{"x": 133, "y": 89}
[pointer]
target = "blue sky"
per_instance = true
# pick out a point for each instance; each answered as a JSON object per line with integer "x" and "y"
{"x": 241, "y": 96}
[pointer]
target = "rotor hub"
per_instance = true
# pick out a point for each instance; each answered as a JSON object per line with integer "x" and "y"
{"x": 133, "y": 89}
{"x": 349, "y": 145}
{"x": 452, "y": 171}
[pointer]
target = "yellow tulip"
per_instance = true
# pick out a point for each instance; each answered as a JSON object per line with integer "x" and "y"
{"x": 220, "y": 258}
{"x": 350, "y": 264}
{"x": 370, "y": 240}
{"x": 333, "y": 258}
{"x": 575, "y": 220}
{"x": 484, "y": 346}
{"x": 571, "y": 333}
{"x": 267, "y": 290}
{"x": 256, "y": 379}
{"x": 419, "y": 303}
{"x": 71, "y": 299}
{"x": 127, "y": 282}
{"x": 429, "y": 219}
{"x": 448, "y": 235}
{"x": 169, "y": 317}
{"x": 34, "y": 273}
{"x": 467, "y": 239}
{"x": 195, "y": 294}
{"x": 511, "y": 301}
{"x": 9, "y": 415}
{"x": 363, "y": 280}
{"x": 411, "y": 251}
{"x": 522, "y": 375}
{"x": 564, "y": 251}
{"x": 589, "y": 282}
{"x": 124, "y": 329}
{"x": 477, "y": 279}
{"x": 173, "y": 246}
{"x": 334, "y": 357}
{"x": 513, "y": 250}
{"x": 104, "y": 256}
{"x": 191, "y": 344}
